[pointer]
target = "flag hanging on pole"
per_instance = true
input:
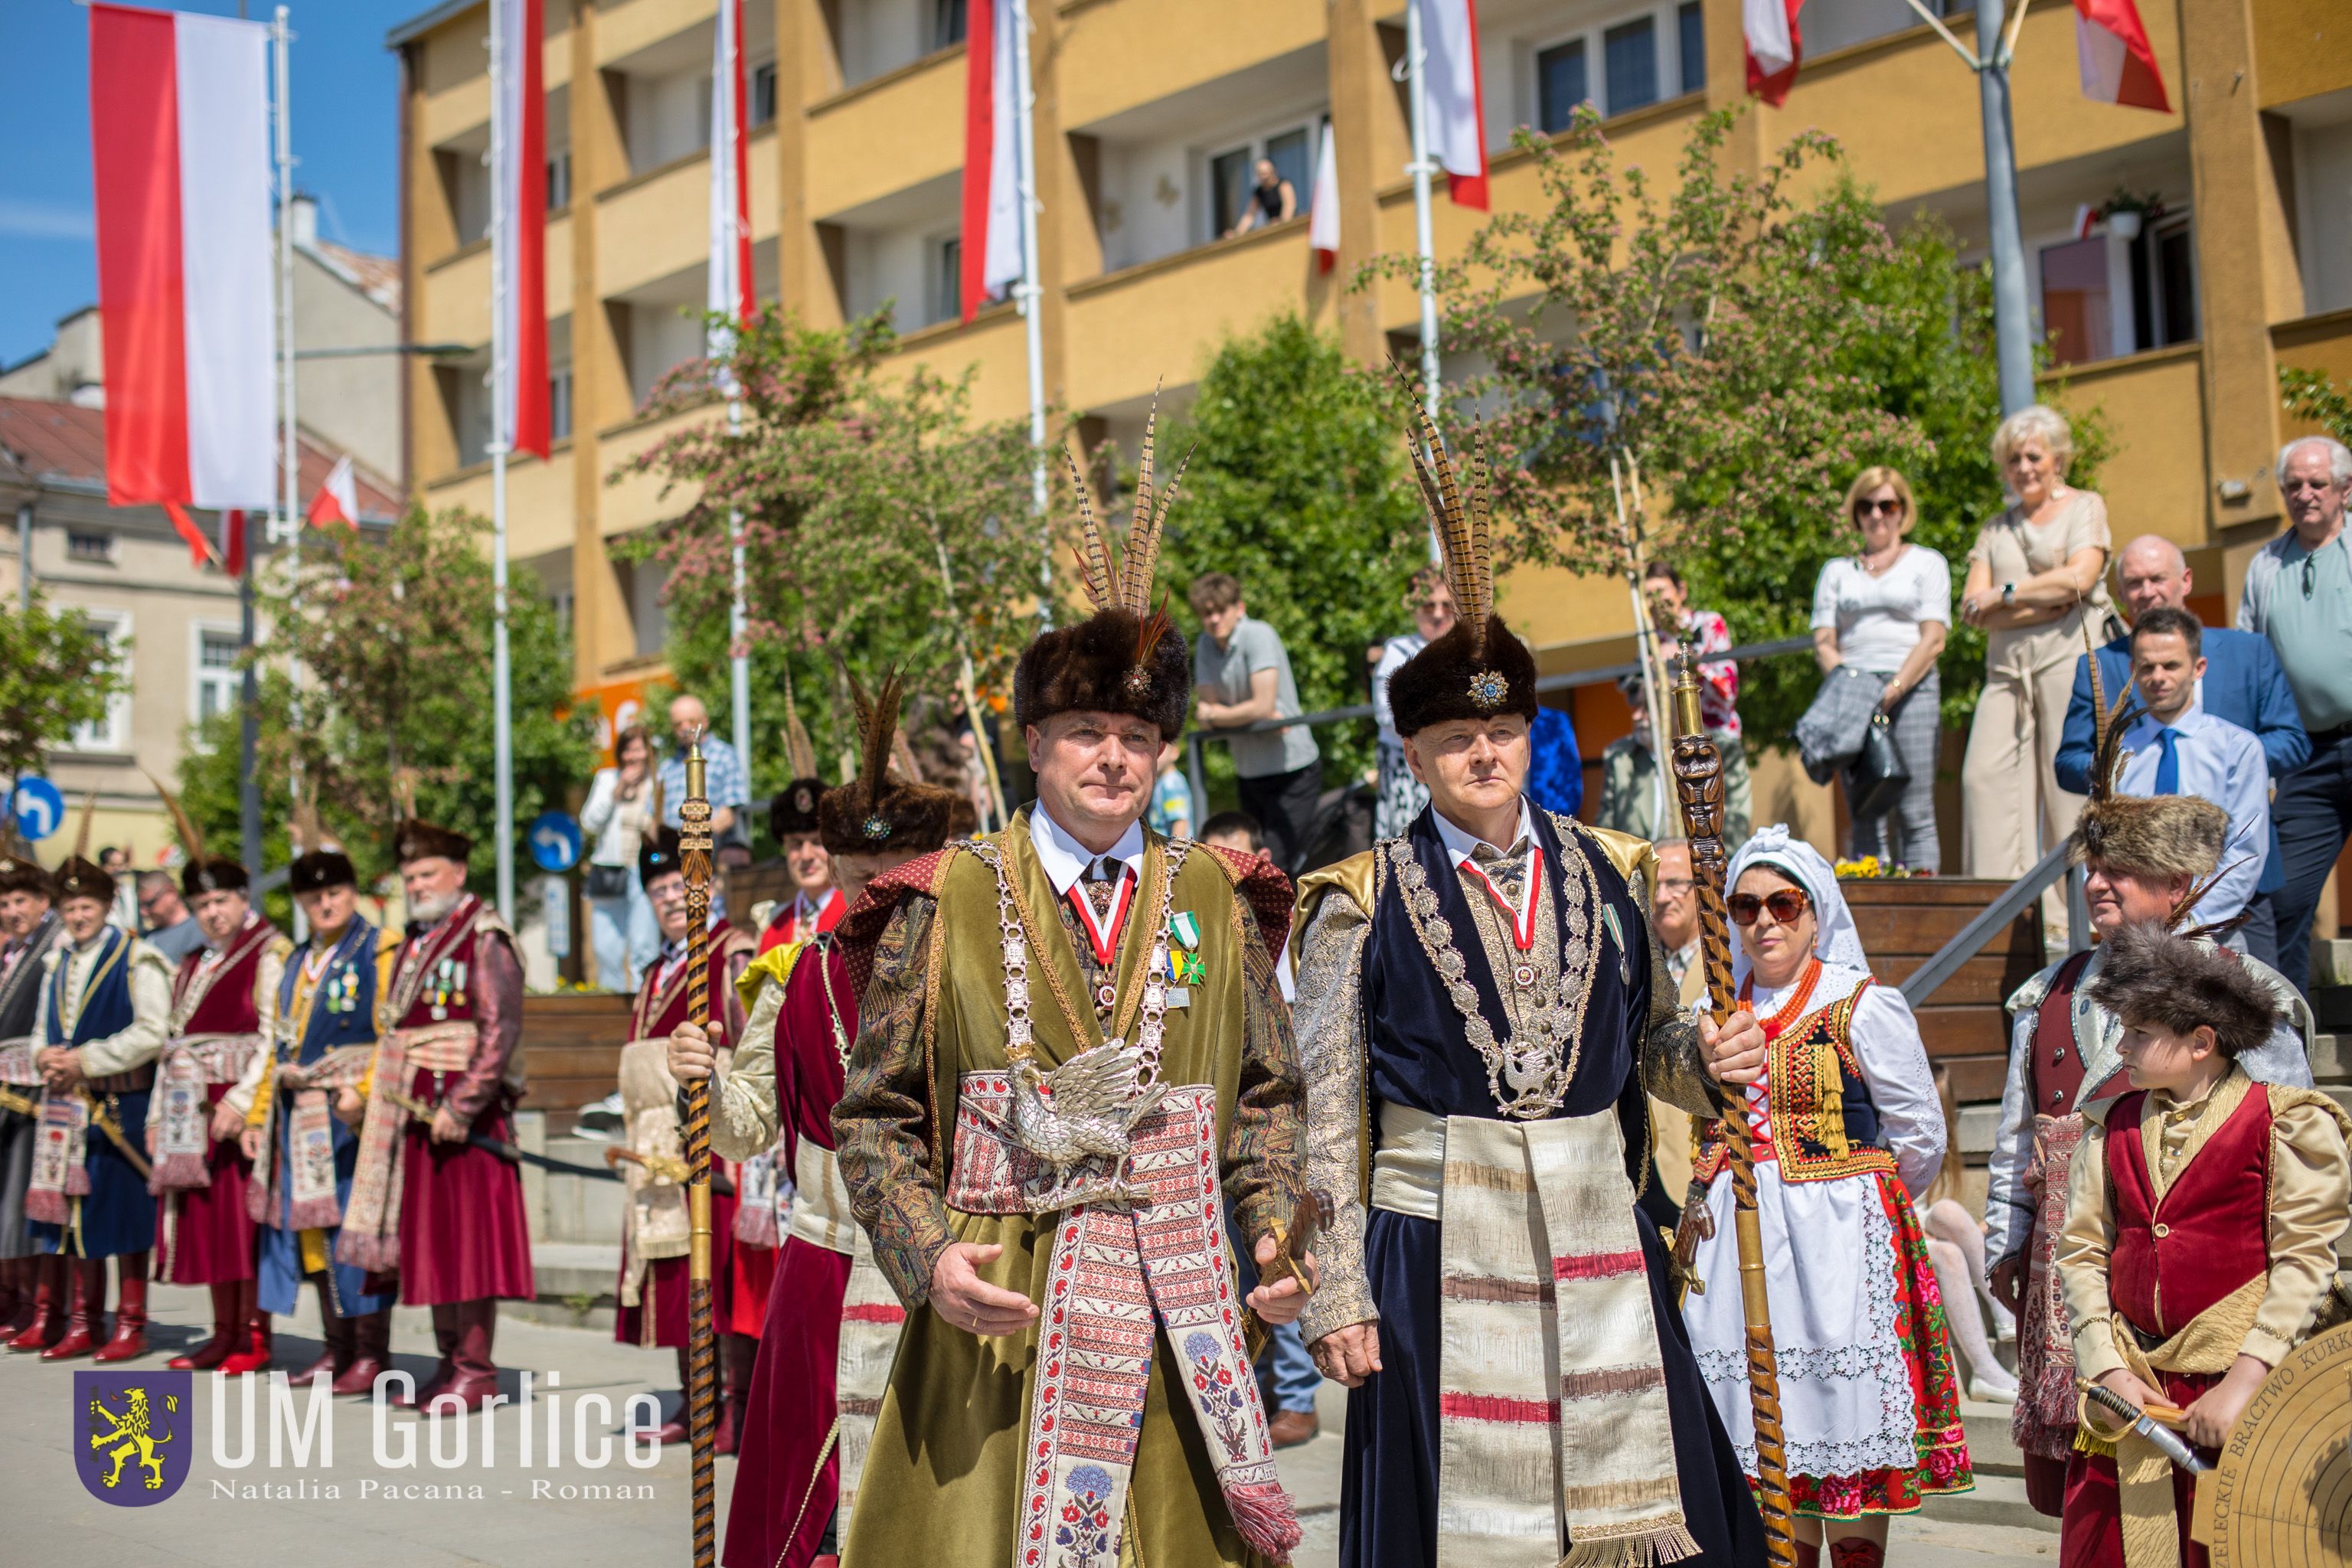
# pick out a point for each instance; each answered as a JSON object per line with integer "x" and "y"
{"x": 338, "y": 500}
{"x": 2113, "y": 54}
{"x": 1457, "y": 104}
{"x": 1323, "y": 217}
{"x": 730, "y": 290}
{"x": 519, "y": 229}
{"x": 989, "y": 257}
{"x": 1774, "y": 45}
{"x": 179, "y": 109}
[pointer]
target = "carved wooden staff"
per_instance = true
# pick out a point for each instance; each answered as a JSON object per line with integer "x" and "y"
{"x": 1698, "y": 780}
{"x": 702, "y": 1343}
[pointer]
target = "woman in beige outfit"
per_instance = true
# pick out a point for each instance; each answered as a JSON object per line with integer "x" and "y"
{"x": 2037, "y": 570}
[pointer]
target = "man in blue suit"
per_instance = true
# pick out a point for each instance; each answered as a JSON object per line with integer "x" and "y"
{"x": 2243, "y": 684}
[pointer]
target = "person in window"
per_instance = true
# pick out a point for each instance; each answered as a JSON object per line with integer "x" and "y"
{"x": 1272, "y": 200}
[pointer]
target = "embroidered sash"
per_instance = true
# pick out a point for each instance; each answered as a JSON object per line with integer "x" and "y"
{"x": 18, "y": 1065}
{"x": 757, "y": 1201}
{"x": 871, "y": 1316}
{"x": 2043, "y": 1420}
{"x": 655, "y": 1224}
{"x": 192, "y": 1064}
{"x": 1541, "y": 1265}
{"x": 1114, "y": 1270}
{"x": 61, "y": 1151}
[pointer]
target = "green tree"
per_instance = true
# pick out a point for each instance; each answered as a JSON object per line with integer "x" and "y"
{"x": 1296, "y": 486}
{"x": 2310, "y": 394}
{"x": 880, "y": 522}
{"x": 57, "y": 672}
{"x": 394, "y": 639}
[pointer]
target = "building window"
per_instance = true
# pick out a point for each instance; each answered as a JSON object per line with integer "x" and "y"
{"x": 763, "y": 93}
{"x": 1691, "y": 39}
{"x": 558, "y": 404}
{"x": 112, "y": 732}
{"x": 2164, "y": 284}
{"x": 218, "y": 679}
{"x": 559, "y": 181}
{"x": 946, "y": 278}
{"x": 96, "y": 549}
{"x": 1560, "y": 87}
{"x": 1629, "y": 54}
{"x": 2077, "y": 310}
{"x": 1232, "y": 174}
{"x": 946, "y": 23}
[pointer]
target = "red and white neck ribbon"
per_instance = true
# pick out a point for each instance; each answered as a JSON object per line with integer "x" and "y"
{"x": 1522, "y": 914}
{"x": 1104, "y": 942}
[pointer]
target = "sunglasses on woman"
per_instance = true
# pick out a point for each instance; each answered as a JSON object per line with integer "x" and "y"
{"x": 1786, "y": 906}
{"x": 1878, "y": 508}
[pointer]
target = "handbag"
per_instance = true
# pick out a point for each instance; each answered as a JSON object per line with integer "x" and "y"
{"x": 1879, "y": 776}
{"x": 608, "y": 881}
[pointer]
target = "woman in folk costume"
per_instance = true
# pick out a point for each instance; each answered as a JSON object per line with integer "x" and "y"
{"x": 2144, "y": 858}
{"x": 656, "y": 1239}
{"x": 2202, "y": 1226}
{"x": 303, "y": 1155}
{"x": 104, "y": 1011}
{"x": 1847, "y": 1132}
{"x": 1072, "y": 1051}
{"x": 223, "y": 1012}
{"x": 833, "y": 1319}
{"x": 1481, "y": 1009}
{"x": 29, "y": 929}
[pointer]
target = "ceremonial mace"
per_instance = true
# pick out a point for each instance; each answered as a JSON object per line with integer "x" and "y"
{"x": 702, "y": 1344}
{"x": 1698, "y": 780}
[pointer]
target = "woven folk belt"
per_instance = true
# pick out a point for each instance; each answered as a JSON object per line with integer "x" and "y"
{"x": 130, "y": 1082}
{"x": 820, "y": 1212}
{"x": 438, "y": 1047}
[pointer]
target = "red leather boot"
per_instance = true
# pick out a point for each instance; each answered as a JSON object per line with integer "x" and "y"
{"x": 46, "y": 1273}
{"x": 335, "y": 1351}
{"x": 130, "y": 1336}
{"x": 252, "y": 1353}
{"x": 674, "y": 1430}
{"x": 737, "y": 1351}
{"x": 16, "y": 1298}
{"x": 225, "y": 1323}
{"x": 445, "y": 1339}
{"x": 1854, "y": 1553}
{"x": 371, "y": 1351}
{"x": 477, "y": 1376}
{"x": 86, "y": 1316}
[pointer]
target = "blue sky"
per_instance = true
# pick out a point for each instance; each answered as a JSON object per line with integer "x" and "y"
{"x": 346, "y": 130}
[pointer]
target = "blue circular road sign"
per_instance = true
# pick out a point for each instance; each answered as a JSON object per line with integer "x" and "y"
{"x": 555, "y": 841}
{"x": 39, "y": 808}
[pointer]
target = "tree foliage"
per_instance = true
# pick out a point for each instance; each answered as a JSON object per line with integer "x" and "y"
{"x": 1295, "y": 486}
{"x": 57, "y": 672}
{"x": 1699, "y": 368}
{"x": 394, "y": 639}
{"x": 880, "y": 522}
{"x": 2310, "y": 394}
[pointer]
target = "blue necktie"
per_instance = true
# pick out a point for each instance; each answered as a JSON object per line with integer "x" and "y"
{"x": 2167, "y": 766}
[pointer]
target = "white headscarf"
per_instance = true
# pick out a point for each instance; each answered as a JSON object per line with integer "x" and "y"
{"x": 1835, "y": 937}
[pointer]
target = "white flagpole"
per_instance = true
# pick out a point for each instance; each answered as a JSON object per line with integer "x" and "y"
{"x": 1031, "y": 294}
{"x": 727, "y": 89}
{"x": 502, "y": 400}
{"x": 1416, "y": 56}
{"x": 288, "y": 528}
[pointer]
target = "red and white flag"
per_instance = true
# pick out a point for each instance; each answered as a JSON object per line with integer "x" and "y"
{"x": 1456, "y": 104}
{"x": 1323, "y": 217}
{"x": 1775, "y": 45}
{"x": 338, "y": 500}
{"x": 2112, "y": 51}
{"x": 179, "y": 111}
{"x": 989, "y": 257}
{"x": 519, "y": 226}
{"x": 730, "y": 289}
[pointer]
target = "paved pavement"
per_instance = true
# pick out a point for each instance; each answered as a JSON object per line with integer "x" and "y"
{"x": 366, "y": 1508}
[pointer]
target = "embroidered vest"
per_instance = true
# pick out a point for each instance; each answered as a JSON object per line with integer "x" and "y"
{"x": 442, "y": 960}
{"x": 2208, "y": 1236}
{"x": 967, "y": 1020}
{"x": 1823, "y": 1123}
{"x": 226, "y": 1006}
{"x": 342, "y": 1001}
{"x": 654, "y": 1013}
{"x": 106, "y": 995}
{"x": 2055, "y": 1075}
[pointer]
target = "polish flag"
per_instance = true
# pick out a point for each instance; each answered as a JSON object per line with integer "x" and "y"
{"x": 338, "y": 500}
{"x": 728, "y": 289}
{"x": 989, "y": 257}
{"x": 2112, "y": 52}
{"x": 1457, "y": 107}
{"x": 1774, "y": 47}
{"x": 1323, "y": 217}
{"x": 519, "y": 226}
{"x": 179, "y": 111}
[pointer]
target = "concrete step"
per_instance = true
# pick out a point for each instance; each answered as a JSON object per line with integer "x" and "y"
{"x": 576, "y": 1282}
{"x": 2331, "y": 1058}
{"x": 2331, "y": 963}
{"x": 1991, "y": 1450}
{"x": 1999, "y": 1501}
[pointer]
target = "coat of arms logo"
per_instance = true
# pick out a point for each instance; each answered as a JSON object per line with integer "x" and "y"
{"x": 135, "y": 1446}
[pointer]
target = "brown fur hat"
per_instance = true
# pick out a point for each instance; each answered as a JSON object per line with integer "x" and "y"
{"x": 879, "y": 811}
{"x": 2151, "y": 976}
{"x": 793, "y": 810}
{"x": 2152, "y": 836}
{"x": 23, "y": 874}
{"x": 414, "y": 838}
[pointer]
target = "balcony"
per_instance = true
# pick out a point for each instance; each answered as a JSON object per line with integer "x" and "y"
{"x": 452, "y": 303}
{"x": 1199, "y": 44}
{"x": 2155, "y": 479}
{"x": 901, "y": 129}
{"x": 539, "y": 499}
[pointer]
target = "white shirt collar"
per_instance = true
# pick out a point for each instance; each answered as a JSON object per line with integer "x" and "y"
{"x": 1065, "y": 860}
{"x": 1460, "y": 843}
{"x": 2147, "y": 726}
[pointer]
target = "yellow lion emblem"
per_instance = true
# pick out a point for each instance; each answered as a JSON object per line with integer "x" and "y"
{"x": 131, "y": 1435}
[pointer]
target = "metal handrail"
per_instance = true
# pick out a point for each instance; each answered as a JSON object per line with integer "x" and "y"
{"x": 1989, "y": 921}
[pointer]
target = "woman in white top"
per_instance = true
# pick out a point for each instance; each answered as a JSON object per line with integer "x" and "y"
{"x": 620, "y": 808}
{"x": 1847, "y": 1132}
{"x": 1885, "y": 612}
{"x": 1401, "y": 796}
{"x": 2036, "y": 573}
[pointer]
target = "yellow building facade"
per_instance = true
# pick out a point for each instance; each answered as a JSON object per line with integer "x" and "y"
{"x": 1149, "y": 114}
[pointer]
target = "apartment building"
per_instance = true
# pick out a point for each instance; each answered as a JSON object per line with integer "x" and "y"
{"x": 1149, "y": 114}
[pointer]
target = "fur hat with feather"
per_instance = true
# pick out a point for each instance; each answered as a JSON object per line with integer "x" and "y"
{"x": 2150, "y": 835}
{"x": 79, "y": 876}
{"x": 2151, "y": 975}
{"x": 1126, "y": 657}
{"x": 881, "y": 811}
{"x": 793, "y": 810}
{"x": 199, "y": 872}
{"x": 1479, "y": 668}
{"x": 413, "y": 838}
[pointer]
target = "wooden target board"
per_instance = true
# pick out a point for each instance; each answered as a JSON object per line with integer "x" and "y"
{"x": 2282, "y": 1495}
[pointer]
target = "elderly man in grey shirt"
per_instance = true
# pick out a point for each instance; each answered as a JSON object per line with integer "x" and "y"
{"x": 1241, "y": 674}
